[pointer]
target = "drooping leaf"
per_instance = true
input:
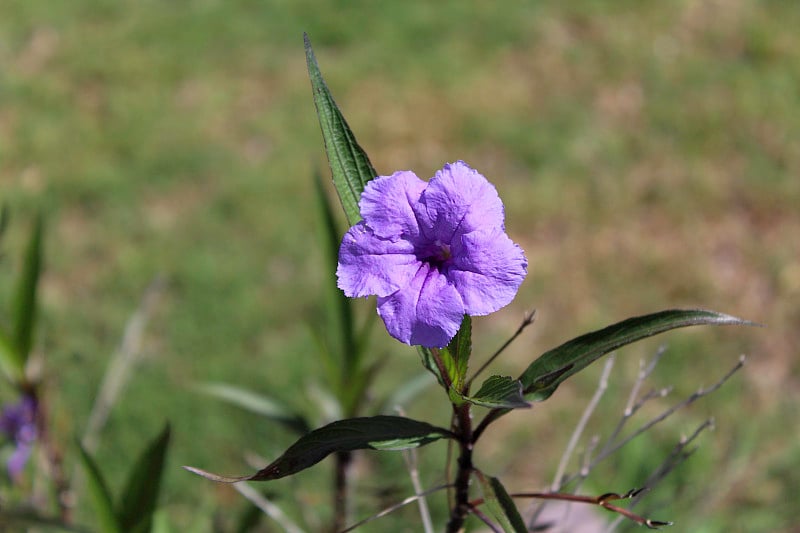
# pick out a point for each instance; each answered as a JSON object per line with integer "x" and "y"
{"x": 501, "y": 506}
{"x": 376, "y": 433}
{"x": 350, "y": 166}
{"x": 99, "y": 494}
{"x": 259, "y": 404}
{"x": 24, "y": 310}
{"x": 503, "y": 392}
{"x": 547, "y": 372}
{"x": 140, "y": 495}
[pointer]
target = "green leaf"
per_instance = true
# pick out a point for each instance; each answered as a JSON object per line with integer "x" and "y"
{"x": 258, "y": 404}
{"x": 503, "y": 392}
{"x": 350, "y": 166}
{"x": 341, "y": 351}
{"x": 140, "y": 496}
{"x": 4, "y": 217}
{"x": 24, "y": 311}
{"x": 99, "y": 494}
{"x": 377, "y": 433}
{"x": 12, "y": 364}
{"x": 456, "y": 355}
{"x": 454, "y": 358}
{"x": 501, "y": 506}
{"x": 429, "y": 362}
{"x": 545, "y": 374}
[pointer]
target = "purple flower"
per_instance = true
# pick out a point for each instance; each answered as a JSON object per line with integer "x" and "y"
{"x": 18, "y": 423}
{"x": 431, "y": 252}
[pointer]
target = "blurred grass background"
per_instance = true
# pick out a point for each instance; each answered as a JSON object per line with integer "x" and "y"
{"x": 647, "y": 154}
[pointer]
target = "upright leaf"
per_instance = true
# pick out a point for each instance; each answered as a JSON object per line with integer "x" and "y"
{"x": 547, "y": 372}
{"x": 24, "y": 310}
{"x": 99, "y": 493}
{"x": 428, "y": 359}
{"x": 11, "y": 363}
{"x": 4, "y": 216}
{"x": 377, "y": 433}
{"x": 501, "y": 506}
{"x": 350, "y": 166}
{"x": 339, "y": 316}
{"x": 140, "y": 495}
{"x": 457, "y": 354}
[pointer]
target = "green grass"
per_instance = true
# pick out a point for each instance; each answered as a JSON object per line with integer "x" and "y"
{"x": 646, "y": 155}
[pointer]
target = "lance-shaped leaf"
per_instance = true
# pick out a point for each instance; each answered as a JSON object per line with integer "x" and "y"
{"x": 450, "y": 364}
{"x": 24, "y": 311}
{"x": 140, "y": 495}
{"x": 428, "y": 359}
{"x": 257, "y": 403}
{"x": 501, "y": 506}
{"x": 376, "y": 433}
{"x": 339, "y": 315}
{"x": 503, "y": 392}
{"x": 100, "y": 495}
{"x": 11, "y": 363}
{"x": 457, "y": 354}
{"x": 545, "y": 374}
{"x": 350, "y": 166}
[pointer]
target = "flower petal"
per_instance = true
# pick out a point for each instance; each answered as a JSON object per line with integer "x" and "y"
{"x": 370, "y": 265}
{"x": 459, "y": 200}
{"x": 487, "y": 269}
{"x": 387, "y": 204}
{"x": 426, "y": 312}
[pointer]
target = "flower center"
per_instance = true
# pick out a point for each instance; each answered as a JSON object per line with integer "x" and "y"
{"x": 437, "y": 254}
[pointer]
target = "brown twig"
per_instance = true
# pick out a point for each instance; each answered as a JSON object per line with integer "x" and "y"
{"x": 527, "y": 320}
{"x": 602, "y": 501}
{"x": 393, "y": 508}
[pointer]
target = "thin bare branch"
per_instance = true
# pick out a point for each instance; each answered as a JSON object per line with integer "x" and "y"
{"x": 412, "y": 464}
{"x": 667, "y": 412}
{"x": 602, "y": 500}
{"x": 267, "y": 507}
{"x": 678, "y": 455}
{"x": 395, "y": 507}
{"x": 485, "y": 519}
{"x": 120, "y": 365}
{"x": 602, "y": 386}
{"x": 527, "y": 320}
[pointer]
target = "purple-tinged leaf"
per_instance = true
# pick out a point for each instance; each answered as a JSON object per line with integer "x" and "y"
{"x": 376, "y": 433}
{"x": 546, "y": 373}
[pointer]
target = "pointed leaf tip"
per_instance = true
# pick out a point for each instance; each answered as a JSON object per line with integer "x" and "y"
{"x": 350, "y": 166}
{"x": 215, "y": 477}
{"x": 546, "y": 373}
{"x": 390, "y": 433}
{"x": 499, "y": 392}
